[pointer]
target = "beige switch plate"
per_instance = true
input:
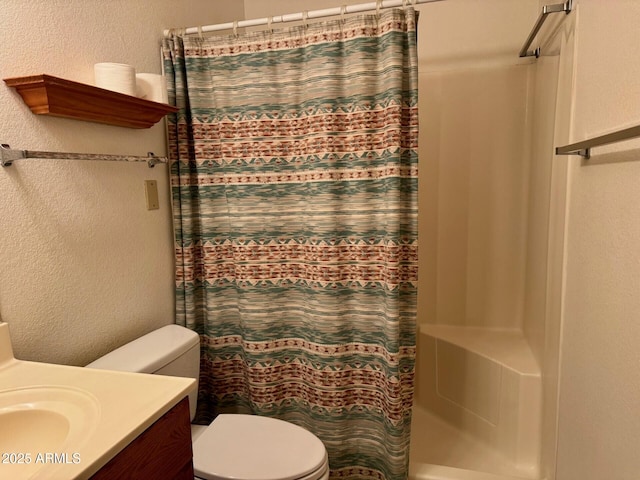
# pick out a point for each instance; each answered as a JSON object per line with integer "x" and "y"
{"x": 151, "y": 193}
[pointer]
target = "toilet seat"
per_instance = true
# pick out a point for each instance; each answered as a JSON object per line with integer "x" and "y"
{"x": 250, "y": 447}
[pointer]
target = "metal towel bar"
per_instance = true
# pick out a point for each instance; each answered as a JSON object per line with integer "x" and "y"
{"x": 8, "y": 156}
{"x": 584, "y": 148}
{"x": 546, "y": 10}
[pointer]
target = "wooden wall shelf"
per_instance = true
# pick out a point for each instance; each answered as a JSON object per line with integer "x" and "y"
{"x": 48, "y": 95}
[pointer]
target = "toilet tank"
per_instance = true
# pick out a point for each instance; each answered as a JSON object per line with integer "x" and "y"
{"x": 171, "y": 350}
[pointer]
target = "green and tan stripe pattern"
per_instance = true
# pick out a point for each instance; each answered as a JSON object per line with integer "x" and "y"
{"x": 294, "y": 182}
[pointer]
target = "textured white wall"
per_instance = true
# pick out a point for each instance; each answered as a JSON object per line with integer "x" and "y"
{"x": 84, "y": 266}
{"x": 599, "y": 424}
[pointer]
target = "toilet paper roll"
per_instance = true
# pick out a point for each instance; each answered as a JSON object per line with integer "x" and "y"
{"x": 152, "y": 86}
{"x": 117, "y": 77}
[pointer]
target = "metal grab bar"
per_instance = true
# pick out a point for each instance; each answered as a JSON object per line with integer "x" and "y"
{"x": 584, "y": 148}
{"x": 8, "y": 156}
{"x": 546, "y": 10}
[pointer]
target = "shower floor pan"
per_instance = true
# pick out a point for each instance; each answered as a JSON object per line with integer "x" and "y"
{"x": 439, "y": 451}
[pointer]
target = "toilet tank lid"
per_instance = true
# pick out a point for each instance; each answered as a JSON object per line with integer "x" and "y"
{"x": 150, "y": 352}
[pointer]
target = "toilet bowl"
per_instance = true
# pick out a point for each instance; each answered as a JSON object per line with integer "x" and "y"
{"x": 250, "y": 447}
{"x": 234, "y": 446}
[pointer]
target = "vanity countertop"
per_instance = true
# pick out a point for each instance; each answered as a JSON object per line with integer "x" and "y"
{"x": 110, "y": 410}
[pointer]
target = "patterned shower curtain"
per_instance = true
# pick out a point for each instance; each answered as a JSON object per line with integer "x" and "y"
{"x": 294, "y": 183}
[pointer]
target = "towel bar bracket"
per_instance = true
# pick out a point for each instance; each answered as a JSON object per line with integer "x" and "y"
{"x": 153, "y": 160}
{"x": 8, "y": 156}
{"x": 584, "y": 153}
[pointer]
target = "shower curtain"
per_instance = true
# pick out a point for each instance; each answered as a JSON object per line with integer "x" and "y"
{"x": 294, "y": 185}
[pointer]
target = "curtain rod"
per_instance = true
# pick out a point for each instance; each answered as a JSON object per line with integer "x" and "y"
{"x": 295, "y": 17}
{"x": 9, "y": 155}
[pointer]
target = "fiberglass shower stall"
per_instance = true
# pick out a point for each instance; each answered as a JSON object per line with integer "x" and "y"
{"x": 488, "y": 341}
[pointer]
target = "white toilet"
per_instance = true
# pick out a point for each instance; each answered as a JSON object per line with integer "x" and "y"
{"x": 233, "y": 447}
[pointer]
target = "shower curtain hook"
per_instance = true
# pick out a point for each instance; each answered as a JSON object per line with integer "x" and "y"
{"x": 343, "y": 20}
{"x": 200, "y": 32}
{"x": 378, "y": 7}
{"x": 235, "y": 28}
{"x": 177, "y": 32}
{"x": 269, "y": 22}
{"x": 305, "y": 18}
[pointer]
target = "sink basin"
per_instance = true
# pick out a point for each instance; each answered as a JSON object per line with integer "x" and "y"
{"x": 66, "y": 422}
{"x": 44, "y": 419}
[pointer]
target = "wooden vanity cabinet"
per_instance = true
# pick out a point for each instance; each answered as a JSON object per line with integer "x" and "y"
{"x": 163, "y": 451}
